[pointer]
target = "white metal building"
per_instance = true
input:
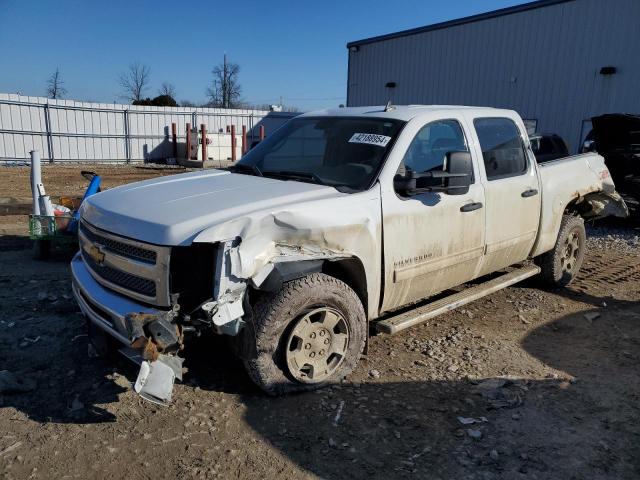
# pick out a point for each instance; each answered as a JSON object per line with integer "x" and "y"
{"x": 557, "y": 62}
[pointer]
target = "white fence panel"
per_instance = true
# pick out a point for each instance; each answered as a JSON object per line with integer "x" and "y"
{"x": 70, "y": 131}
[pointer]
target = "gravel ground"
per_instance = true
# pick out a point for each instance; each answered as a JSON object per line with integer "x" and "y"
{"x": 612, "y": 235}
{"x": 527, "y": 383}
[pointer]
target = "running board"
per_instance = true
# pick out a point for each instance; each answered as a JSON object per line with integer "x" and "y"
{"x": 409, "y": 319}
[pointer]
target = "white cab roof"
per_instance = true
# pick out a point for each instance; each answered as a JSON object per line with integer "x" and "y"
{"x": 403, "y": 112}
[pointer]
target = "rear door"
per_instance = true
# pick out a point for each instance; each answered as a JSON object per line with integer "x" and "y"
{"x": 511, "y": 188}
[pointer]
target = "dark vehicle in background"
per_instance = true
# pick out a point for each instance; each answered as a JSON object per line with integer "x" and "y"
{"x": 616, "y": 137}
{"x": 548, "y": 146}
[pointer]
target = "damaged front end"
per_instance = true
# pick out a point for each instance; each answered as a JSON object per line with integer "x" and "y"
{"x": 225, "y": 310}
{"x": 158, "y": 339}
{"x": 205, "y": 283}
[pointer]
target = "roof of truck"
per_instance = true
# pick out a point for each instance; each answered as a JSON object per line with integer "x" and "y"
{"x": 399, "y": 112}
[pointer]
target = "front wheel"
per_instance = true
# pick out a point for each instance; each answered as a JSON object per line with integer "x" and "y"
{"x": 309, "y": 334}
{"x": 561, "y": 265}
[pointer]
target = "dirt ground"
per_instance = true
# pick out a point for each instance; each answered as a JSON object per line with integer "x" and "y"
{"x": 528, "y": 383}
{"x": 66, "y": 180}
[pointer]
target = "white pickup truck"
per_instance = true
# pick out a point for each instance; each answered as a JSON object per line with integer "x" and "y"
{"x": 327, "y": 228}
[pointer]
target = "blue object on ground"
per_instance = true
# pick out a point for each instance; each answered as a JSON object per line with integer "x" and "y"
{"x": 92, "y": 189}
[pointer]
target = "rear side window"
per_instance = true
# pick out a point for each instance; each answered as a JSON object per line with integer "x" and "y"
{"x": 502, "y": 148}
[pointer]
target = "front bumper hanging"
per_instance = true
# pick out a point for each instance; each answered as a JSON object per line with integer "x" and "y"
{"x": 147, "y": 335}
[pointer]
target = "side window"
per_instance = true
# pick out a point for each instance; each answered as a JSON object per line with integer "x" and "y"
{"x": 430, "y": 145}
{"x": 502, "y": 147}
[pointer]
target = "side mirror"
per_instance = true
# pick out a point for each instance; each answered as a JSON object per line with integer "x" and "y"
{"x": 455, "y": 179}
{"x": 459, "y": 167}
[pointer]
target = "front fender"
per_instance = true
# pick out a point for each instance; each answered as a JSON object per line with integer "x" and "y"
{"x": 332, "y": 229}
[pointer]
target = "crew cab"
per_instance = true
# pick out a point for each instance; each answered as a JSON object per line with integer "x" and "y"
{"x": 325, "y": 230}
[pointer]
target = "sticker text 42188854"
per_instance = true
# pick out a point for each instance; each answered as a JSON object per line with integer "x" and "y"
{"x": 370, "y": 139}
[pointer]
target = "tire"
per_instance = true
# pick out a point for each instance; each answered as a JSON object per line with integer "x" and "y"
{"x": 561, "y": 265}
{"x": 41, "y": 249}
{"x": 309, "y": 316}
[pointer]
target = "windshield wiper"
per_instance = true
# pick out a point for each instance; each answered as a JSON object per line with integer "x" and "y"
{"x": 296, "y": 175}
{"x": 241, "y": 167}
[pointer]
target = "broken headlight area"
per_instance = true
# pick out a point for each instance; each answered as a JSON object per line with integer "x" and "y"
{"x": 191, "y": 274}
{"x": 201, "y": 277}
{"x": 210, "y": 298}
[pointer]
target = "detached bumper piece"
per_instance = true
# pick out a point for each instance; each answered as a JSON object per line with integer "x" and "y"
{"x": 158, "y": 339}
{"x": 155, "y": 379}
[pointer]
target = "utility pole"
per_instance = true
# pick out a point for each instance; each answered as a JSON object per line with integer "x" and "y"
{"x": 225, "y": 85}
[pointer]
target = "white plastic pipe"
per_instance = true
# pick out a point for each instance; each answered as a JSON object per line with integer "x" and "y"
{"x": 36, "y": 180}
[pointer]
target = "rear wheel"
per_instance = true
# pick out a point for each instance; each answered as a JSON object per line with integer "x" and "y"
{"x": 561, "y": 265}
{"x": 310, "y": 334}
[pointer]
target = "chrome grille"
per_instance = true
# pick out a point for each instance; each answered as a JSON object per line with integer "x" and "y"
{"x": 124, "y": 249}
{"x": 125, "y": 280}
{"x": 136, "y": 269}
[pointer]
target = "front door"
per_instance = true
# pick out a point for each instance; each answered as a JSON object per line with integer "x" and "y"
{"x": 432, "y": 241}
{"x": 511, "y": 192}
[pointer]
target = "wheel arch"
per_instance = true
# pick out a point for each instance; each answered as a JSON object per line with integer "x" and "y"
{"x": 592, "y": 205}
{"x": 350, "y": 270}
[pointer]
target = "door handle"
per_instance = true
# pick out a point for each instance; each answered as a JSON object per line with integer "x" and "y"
{"x": 470, "y": 207}
{"x": 529, "y": 193}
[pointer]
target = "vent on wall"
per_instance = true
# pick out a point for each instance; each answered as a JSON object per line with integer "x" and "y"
{"x": 608, "y": 70}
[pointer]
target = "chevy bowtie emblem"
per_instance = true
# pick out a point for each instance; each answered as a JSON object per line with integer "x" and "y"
{"x": 96, "y": 252}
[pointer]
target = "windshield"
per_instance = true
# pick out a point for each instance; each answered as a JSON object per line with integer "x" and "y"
{"x": 342, "y": 152}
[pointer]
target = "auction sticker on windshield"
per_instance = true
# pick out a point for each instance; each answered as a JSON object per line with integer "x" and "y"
{"x": 370, "y": 139}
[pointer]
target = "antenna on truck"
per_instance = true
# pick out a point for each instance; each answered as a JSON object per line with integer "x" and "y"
{"x": 389, "y": 107}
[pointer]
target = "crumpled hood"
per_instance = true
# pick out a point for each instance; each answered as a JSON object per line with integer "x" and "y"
{"x": 173, "y": 210}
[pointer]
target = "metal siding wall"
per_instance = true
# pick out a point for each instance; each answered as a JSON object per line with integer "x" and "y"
{"x": 554, "y": 53}
{"x": 96, "y": 131}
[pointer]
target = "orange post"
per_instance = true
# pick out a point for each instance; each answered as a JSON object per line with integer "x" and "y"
{"x": 188, "y": 154}
{"x": 244, "y": 140}
{"x": 262, "y": 132}
{"x": 174, "y": 138}
{"x": 203, "y": 129}
{"x": 233, "y": 143}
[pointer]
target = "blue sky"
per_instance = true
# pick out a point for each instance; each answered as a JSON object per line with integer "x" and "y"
{"x": 294, "y": 49}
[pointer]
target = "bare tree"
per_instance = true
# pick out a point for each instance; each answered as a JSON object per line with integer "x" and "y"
{"x": 167, "y": 89}
{"x": 225, "y": 90}
{"x": 135, "y": 81}
{"x": 54, "y": 86}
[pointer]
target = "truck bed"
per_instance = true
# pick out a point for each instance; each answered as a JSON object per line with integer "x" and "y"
{"x": 567, "y": 180}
